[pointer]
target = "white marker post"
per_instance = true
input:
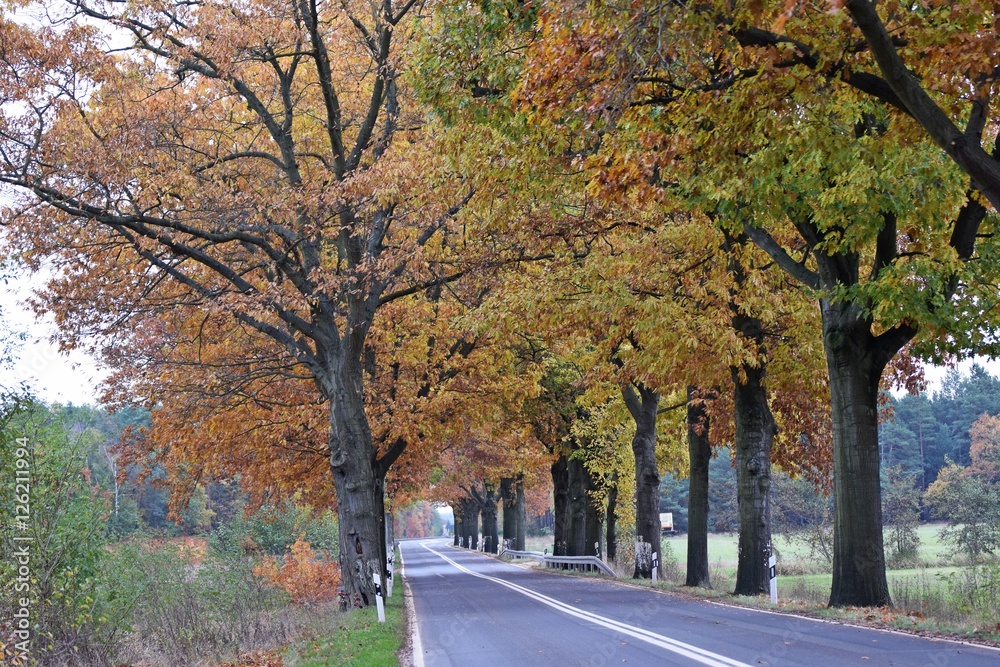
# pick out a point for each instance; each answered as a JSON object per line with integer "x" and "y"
{"x": 772, "y": 571}
{"x": 388, "y": 569}
{"x": 656, "y": 565}
{"x": 378, "y": 597}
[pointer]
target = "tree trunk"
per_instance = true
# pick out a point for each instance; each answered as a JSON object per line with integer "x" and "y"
{"x": 466, "y": 524}
{"x": 592, "y": 544}
{"x": 520, "y": 523}
{"x": 463, "y": 538}
{"x": 472, "y": 525}
{"x": 383, "y": 531}
{"x": 577, "y": 542}
{"x": 560, "y": 492}
{"x": 491, "y": 535}
{"x": 390, "y": 537}
{"x": 360, "y": 506}
{"x": 508, "y": 496}
{"x": 643, "y": 407}
{"x": 612, "y": 523}
{"x": 755, "y": 431}
{"x": 855, "y": 362}
{"x": 459, "y": 530}
{"x": 486, "y": 501}
{"x": 700, "y": 453}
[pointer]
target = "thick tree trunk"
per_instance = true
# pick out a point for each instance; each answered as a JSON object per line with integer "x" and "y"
{"x": 522, "y": 518}
{"x": 755, "y": 431}
{"x": 855, "y": 362}
{"x": 592, "y": 546}
{"x": 577, "y": 542}
{"x": 643, "y": 407}
{"x": 472, "y": 525}
{"x": 383, "y": 527}
{"x": 560, "y": 492}
{"x": 459, "y": 530}
{"x": 508, "y": 496}
{"x": 390, "y": 534}
{"x": 486, "y": 500}
{"x": 491, "y": 536}
{"x": 360, "y": 506}
{"x": 612, "y": 523}
{"x": 700, "y": 452}
{"x": 467, "y": 523}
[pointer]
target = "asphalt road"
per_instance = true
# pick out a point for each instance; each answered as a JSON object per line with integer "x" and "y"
{"x": 472, "y": 610}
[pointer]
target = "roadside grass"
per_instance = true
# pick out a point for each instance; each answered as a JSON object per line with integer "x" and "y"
{"x": 356, "y": 638}
{"x": 929, "y": 577}
{"x": 539, "y": 543}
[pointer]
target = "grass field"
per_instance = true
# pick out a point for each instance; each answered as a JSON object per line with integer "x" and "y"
{"x": 722, "y": 548}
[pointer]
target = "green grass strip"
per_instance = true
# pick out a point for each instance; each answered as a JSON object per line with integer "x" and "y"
{"x": 359, "y": 639}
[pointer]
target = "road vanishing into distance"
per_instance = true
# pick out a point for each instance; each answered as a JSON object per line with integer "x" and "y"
{"x": 473, "y": 610}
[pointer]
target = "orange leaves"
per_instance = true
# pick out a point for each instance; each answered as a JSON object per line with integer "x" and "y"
{"x": 578, "y": 64}
{"x": 306, "y": 576}
{"x": 794, "y": 6}
{"x": 985, "y": 448}
{"x": 228, "y": 404}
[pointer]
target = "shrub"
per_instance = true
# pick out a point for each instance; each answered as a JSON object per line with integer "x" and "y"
{"x": 191, "y": 607}
{"x": 901, "y": 515}
{"x": 972, "y": 505}
{"x": 302, "y": 573}
{"x": 273, "y": 530}
{"x": 974, "y": 592}
{"x": 78, "y": 610}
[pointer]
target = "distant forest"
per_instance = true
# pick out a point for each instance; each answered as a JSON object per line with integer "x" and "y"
{"x": 918, "y": 436}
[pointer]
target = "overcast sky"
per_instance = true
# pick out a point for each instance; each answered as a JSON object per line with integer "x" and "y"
{"x": 54, "y": 377}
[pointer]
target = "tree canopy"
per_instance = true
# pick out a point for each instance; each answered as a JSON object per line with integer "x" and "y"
{"x": 375, "y": 246}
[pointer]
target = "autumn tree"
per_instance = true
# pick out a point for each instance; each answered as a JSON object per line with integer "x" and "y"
{"x": 251, "y": 161}
{"x": 551, "y": 413}
{"x": 492, "y": 451}
{"x": 789, "y": 138}
{"x": 930, "y": 71}
{"x": 969, "y": 496}
{"x": 507, "y": 77}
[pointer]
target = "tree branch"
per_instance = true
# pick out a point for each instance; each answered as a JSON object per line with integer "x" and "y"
{"x": 766, "y": 242}
{"x": 966, "y": 151}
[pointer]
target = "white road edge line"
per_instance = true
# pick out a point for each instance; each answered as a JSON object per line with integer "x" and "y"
{"x": 695, "y": 653}
{"x": 850, "y": 624}
{"x": 415, "y": 644}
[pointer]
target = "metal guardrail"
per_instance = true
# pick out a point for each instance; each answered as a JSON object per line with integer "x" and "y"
{"x": 578, "y": 563}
